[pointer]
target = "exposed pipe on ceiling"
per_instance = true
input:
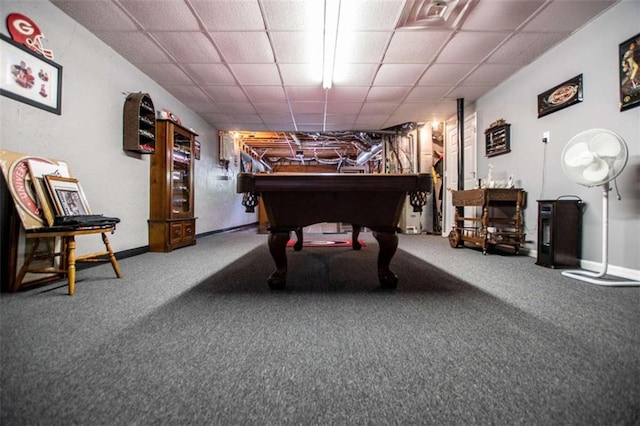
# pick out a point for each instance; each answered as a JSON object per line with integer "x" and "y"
{"x": 365, "y": 156}
{"x": 460, "y": 109}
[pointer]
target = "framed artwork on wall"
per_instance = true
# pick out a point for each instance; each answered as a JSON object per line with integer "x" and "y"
{"x": 30, "y": 78}
{"x": 560, "y": 96}
{"x": 196, "y": 149}
{"x": 629, "y": 60}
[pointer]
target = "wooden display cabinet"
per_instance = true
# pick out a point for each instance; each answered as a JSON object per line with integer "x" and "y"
{"x": 500, "y": 221}
{"x": 139, "y": 124}
{"x": 172, "y": 223}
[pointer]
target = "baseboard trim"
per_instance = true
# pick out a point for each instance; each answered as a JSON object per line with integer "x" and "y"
{"x": 144, "y": 249}
{"x": 232, "y": 229}
{"x": 616, "y": 271}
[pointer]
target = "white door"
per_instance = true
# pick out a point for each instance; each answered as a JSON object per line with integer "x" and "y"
{"x": 451, "y": 165}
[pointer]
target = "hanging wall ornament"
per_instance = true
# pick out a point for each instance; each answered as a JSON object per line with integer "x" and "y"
{"x": 24, "y": 31}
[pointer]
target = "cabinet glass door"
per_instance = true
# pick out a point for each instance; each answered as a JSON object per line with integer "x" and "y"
{"x": 181, "y": 175}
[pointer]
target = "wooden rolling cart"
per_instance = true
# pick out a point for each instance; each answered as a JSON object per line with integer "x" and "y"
{"x": 500, "y": 222}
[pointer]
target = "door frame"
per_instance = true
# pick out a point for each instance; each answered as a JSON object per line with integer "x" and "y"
{"x": 470, "y": 149}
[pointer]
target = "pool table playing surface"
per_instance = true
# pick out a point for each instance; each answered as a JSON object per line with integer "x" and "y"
{"x": 295, "y": 200}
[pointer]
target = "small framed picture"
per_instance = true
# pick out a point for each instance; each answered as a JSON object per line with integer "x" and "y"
{"x": 629, "y": 60}
{"x": 30, "y": 78}
{"x": 561, "y": 96}
{"x": 196, "y": 149}
{"x": 67, "y": 196}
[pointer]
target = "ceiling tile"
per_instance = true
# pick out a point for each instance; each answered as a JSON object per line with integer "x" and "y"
{"x": 490, "y": 75}
{"x": 470, "y": 47}
{"x": 445, "y": 74}
{"x": 500, "y": 15}
{"x": 468, "y": 93}
{"x": 427, "y": 93}
{"x": 348, "y": 93}
{"x": 567, "y": 15}
{"x": 136, "y": 47}
{"x": 387, "y": 94}
{"x": 344, "y": 107}
{"x": 237, "y": 107}
{"x": 354, "y": 74}
{"x": 409, "y": 108}
{"x": 396, "y": 120}
{"x": 370, "y": 15}
{"x": 272, "y": 107}
{"x": 306, "y": 93}
{"x": 215, "y": 117}
{"x": 374, "y": 108}
{"x": 304, "y": 118}
{"x": 272, "y": 94}
{"x": 293, "y": 15}
{"x": 162, "y": 16}
{"x": 256, "y": 74}
{"x": 101, "y": 16}
{"x": 304, "y": 127}
{"x": 225, "y": 93}
{"x": 362, "y": 47}
{"x": 277, "y": 119}
{"x": 338, "y": 127}
{"x": 165, "y": 74}
{"x": 523, "y": 48}
{"x": 301, "y": 74}
{"x": 297, "y": 47}
{"x": 190, "y": 93}
{"x": 245, "y": 118}
{"x": 188, "y": 46}
{"x": 370, "y": 122}
{"x": 244, "y": 47}
{"x": 341, "y": 119}
{"x": 399, "y": 74}
{"x": 209, "y": 74}
{"x": 415, "y": 47}
{"x": 237, "y": 15}
{"x": 203, "y": 107}
{"x": 307, "y": 107}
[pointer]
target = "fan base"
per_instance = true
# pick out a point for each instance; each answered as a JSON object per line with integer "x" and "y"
{"x": 599, "y": 279}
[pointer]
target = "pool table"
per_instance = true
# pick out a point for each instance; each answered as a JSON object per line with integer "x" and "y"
{"x": 295, "y": 200}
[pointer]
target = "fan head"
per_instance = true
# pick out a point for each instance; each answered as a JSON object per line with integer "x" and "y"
{"x": 594, "y": 157}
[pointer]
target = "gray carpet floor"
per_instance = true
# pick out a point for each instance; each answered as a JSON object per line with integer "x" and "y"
{"x": 196, "y": 337}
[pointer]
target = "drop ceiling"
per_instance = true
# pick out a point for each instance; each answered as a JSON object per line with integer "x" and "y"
{"x": 245, "y": 64}
{"x": 242, "y": 64}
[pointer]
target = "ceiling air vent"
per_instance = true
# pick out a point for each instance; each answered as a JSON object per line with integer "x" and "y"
{"x": 437, "y": 14}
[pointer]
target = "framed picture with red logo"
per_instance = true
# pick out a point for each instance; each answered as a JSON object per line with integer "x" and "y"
{"x": 29, "y": 77}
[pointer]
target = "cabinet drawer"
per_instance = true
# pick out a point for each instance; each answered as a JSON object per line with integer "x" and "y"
{"x": 176, "y": 233}
{"x": 189, "y": 230}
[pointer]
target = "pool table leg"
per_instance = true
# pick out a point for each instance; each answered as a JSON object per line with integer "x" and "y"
{"x": 388, "y": 242}
{"x": 355, "y": 233}
{"x": 300, "y": 239}
{"x": 278, "y": 249}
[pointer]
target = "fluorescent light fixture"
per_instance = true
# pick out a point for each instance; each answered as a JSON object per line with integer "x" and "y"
{"x": 331, "y": 17}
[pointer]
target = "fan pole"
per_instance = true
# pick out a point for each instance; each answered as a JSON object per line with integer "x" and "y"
{"x": 591, "y": 276}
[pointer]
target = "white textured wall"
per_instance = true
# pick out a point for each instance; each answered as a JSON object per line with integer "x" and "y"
{"x": 593, "y": 52}
{"x": 88, "y": 134}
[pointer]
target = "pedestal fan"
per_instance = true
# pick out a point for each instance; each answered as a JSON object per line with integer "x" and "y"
{"x": 594, "y": 158}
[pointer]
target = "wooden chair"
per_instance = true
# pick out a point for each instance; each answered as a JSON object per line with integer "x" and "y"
{"x": 67, "y": 253}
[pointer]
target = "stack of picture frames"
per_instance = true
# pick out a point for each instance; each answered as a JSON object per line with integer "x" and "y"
{"x": 41, "y": 189}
